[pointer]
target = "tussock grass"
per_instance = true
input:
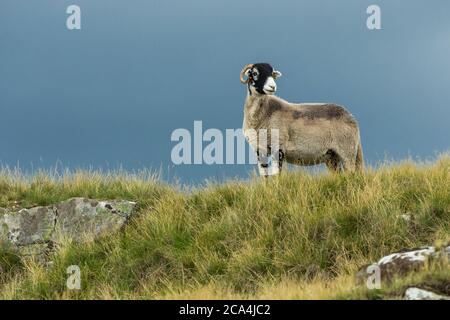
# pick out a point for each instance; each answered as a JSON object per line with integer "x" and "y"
{"x": 45, "y": 188}
{"x": 297, "y": 236}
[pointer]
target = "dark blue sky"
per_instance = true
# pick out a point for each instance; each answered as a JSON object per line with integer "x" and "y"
{"x": 111, "y": 93}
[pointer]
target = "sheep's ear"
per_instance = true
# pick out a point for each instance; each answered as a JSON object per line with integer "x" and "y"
{"x": 276, "y": 74}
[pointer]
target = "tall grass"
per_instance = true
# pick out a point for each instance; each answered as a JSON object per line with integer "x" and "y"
{"x": 293, "y": 236}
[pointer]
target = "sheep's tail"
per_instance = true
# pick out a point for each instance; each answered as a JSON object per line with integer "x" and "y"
{"x": 359, "y": 158}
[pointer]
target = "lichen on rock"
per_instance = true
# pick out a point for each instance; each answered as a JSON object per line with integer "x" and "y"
{"x": 421, "y": 294}
{"x": 35, "y": 231}
{"x": 78, "y": 217}
{"x": 401, "y": 263}
{"x": 28, "y": 226}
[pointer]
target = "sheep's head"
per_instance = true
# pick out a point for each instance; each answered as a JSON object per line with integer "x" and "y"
{"x": 260, "y": 78}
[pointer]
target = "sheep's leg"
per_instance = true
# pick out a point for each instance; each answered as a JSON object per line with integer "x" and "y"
{"x": 263, "y": 169}
{"x": 348, "y": 161}
{"x": 333, "y": 162}
{"x": 263, "y": 164}
{"x": 277, "y": 162}
{"x": 333, "y": 165}
{"x": 271, "y": 164}
{"x": 349, "y": 165}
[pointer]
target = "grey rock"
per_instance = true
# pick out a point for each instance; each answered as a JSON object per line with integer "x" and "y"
{"x": 27, "y": 226}
{"x": 80, "y": 217}
{"x": 401, "y": 263}
{"x": 406, "y": 217}
{"x": 36, "y": 231}
{"x": 421, "y": 294}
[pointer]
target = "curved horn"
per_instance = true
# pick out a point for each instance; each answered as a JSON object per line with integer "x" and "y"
{"x": 241, "y": 77}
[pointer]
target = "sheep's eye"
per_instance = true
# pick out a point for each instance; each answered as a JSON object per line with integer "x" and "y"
{"x": 255, "y": 74}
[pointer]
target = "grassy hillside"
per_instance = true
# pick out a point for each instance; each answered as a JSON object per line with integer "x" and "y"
{"x": 294, "y": 236}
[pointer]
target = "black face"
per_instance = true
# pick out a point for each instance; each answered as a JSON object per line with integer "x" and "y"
{"x": 259, "y": 74}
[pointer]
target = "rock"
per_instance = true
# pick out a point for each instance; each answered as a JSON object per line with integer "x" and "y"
{"x": 35, "y": 231}
{"x": 401, "y": 263}
{"x": 28, "y": 226}
{"x": 420, "y": 294}
{"x": 78, "y": 217}
{"x": 406, "y": 217}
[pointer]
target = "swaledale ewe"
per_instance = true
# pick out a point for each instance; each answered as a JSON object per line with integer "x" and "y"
{"x": 303, "y": 134}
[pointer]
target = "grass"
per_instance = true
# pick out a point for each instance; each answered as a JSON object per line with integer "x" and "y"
{"x": 297, "y": 236}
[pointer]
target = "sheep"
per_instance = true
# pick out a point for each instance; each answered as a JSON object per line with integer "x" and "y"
{"x": 303, "y": 134}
